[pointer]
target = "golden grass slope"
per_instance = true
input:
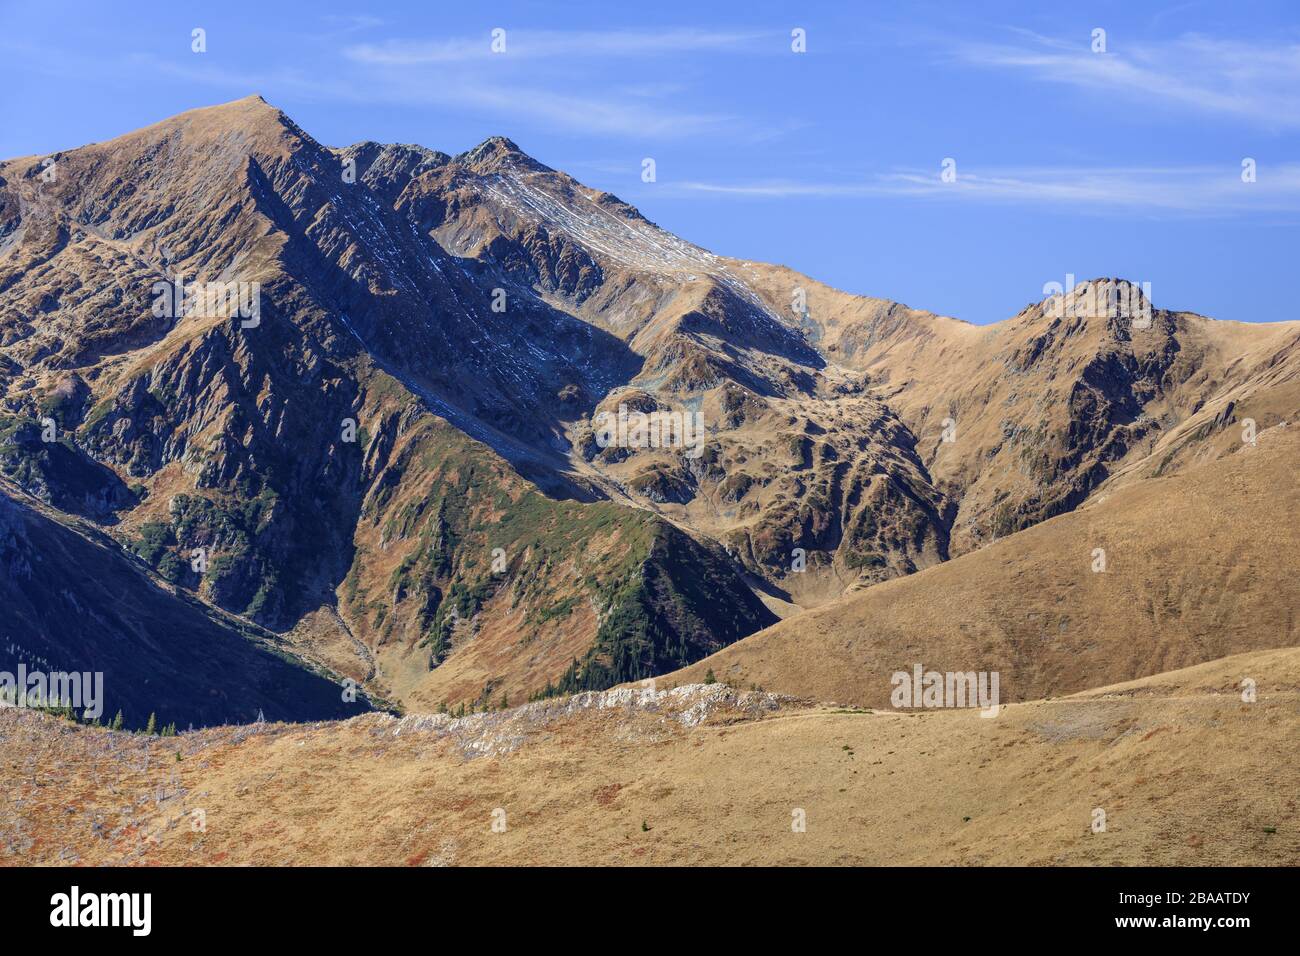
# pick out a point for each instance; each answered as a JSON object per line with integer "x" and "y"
{"x": 1185, "y": 771}
{"x": 1199, "y": 565}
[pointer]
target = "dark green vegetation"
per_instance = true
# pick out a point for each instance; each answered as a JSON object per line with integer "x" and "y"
{"x": 58, "y": 472}
{"x": 476, "y": 536}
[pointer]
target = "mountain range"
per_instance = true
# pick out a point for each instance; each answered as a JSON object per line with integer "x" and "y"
{"x": 279, "y": 419}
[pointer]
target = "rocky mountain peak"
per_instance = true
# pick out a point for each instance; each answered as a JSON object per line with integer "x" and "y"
{"x": 1102, "y": 297}
{"x": 497, "y": 152}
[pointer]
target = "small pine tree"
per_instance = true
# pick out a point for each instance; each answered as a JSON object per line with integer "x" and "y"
{"x": 709, "y": 678}
{"x": 152, "y": 726}
{"x": 117, "y": 722}
{"x": 505, "y": 701}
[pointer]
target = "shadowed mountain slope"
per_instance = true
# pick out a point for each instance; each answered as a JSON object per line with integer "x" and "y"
{"x": 74, "y": 602}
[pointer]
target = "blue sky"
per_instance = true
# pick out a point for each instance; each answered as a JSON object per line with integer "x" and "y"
{"x": 1125, "y": 163}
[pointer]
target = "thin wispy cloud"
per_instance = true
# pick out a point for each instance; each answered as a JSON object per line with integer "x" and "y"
{"x": 339, "y": 26}
{"x": 551, "y": 44}
{"x": 588, "y": 113}
{"x": 583, "y": 113}
{"x": 353, "y": 21}
{"x": 1255, "y": 81}
{"x": 1197, "y": 190}
{"x": 533, "y": 80}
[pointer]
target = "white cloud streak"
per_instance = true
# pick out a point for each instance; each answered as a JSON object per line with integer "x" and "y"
{"x": 632, "y": 117}
{"x": 1255, "y": 82}
{"x": 1195, "y": 190}
{"x": 463, "y": 73}
{"x": 548, "y": 44}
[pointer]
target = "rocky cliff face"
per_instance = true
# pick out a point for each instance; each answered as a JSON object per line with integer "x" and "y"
{"x": 461, "y": 428}
{"x": 1025, "y": 419}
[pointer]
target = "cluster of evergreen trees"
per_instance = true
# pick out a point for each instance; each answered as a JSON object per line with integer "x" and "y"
{"x": 68, "y": 712}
